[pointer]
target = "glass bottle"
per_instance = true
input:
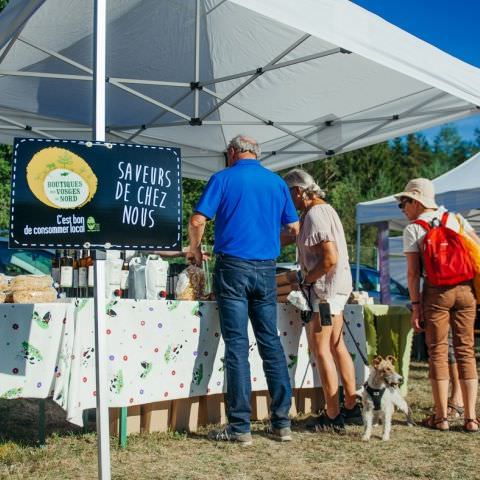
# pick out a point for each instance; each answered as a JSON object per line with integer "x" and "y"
{"x": 76, "y": 255}
{"x": 83, "y": 275}
{"x": 56, "y": 268}
{"x": 66, "y": 273}
{"x": 124, "y": 273}
{"x": 91, "y": 274}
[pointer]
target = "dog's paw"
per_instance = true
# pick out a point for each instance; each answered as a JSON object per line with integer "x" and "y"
{"x": 365, "y": 438}
{"x": 386, "y": 438}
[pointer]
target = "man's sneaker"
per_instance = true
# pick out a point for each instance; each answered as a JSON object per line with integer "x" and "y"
{"x": 325, "y": 424}
{"x": 352, "y": 416}
{"x": 226, "y": 435}
{"x": 280, "y": 434}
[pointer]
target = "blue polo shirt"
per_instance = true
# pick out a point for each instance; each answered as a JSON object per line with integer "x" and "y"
{"x": 250, "y": 204}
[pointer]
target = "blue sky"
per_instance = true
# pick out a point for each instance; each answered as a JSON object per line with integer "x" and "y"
{"x": 451, "y": 25}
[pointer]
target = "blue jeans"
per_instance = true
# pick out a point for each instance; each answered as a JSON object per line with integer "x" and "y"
{"x": 243, "y": 289}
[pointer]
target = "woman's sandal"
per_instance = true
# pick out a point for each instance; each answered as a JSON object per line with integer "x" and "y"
{"x": 433, "y": 423}
{"x": 454, "y": 411}
{"x": 471, "y": 420}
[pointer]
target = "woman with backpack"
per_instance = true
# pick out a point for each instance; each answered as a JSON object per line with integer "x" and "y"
{"x": 433, "y": 246}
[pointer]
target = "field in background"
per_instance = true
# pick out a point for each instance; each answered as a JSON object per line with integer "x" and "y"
{"x": 412, "y": 453}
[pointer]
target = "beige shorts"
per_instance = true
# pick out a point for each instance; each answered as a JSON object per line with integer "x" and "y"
{"x": 337, "y": 303}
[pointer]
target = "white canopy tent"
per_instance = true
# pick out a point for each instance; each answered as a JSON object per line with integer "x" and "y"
{"x": 457, "y": 190}
{"x": 308, "y": 79}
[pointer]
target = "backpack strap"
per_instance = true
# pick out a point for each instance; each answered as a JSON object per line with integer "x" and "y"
{"x": 423, "y": 224}
{"x": 443, "y": 222}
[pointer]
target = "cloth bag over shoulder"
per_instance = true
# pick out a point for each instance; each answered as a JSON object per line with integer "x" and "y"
{"x": 446, "y": 259}
{"x": 473, "y": 248}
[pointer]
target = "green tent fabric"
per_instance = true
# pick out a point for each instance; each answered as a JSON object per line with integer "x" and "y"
{"x": 389, "y": 332}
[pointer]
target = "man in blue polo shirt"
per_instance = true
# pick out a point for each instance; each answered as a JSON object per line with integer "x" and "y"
{"x": 251, "y": 206}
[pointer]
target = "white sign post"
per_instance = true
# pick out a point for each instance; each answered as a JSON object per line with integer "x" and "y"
{"x": 103, "y": 434}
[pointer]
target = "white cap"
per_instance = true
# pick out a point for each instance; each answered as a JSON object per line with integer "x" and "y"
{"x": 421, "y": 190}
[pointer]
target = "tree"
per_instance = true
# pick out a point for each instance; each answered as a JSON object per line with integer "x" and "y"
{"x": 5, "y": 173}
{"x": 192, "y": 190}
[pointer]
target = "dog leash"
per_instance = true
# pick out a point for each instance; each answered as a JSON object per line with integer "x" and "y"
{"x": 357, "y": 344}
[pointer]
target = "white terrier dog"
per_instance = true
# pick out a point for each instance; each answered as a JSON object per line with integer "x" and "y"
{"x": 381, "y": 395}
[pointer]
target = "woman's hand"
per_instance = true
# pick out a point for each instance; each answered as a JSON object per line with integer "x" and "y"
{"x": 417, "y": 319}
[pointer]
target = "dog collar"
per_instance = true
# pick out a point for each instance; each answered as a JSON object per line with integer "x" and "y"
{"x": 375, "y": 394}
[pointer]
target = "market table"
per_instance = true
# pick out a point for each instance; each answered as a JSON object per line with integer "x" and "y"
{"x": 157, "y": 351}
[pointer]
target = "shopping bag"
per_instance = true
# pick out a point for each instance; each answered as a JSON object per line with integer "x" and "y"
{"x": 473, "y": 249}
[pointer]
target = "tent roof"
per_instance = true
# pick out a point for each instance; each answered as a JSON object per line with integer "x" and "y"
{"x": 458, "y": 190}
{"x": 308, "y": 79}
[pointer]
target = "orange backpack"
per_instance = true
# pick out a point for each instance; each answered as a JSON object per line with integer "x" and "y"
{"x": 446, "y": 260}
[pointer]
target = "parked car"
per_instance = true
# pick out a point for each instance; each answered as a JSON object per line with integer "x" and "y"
{"x": 369, "y": 281}
{"x": 17, "y": 261}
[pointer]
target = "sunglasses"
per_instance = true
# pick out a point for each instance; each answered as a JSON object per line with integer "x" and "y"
{"x": 403, "y": 202}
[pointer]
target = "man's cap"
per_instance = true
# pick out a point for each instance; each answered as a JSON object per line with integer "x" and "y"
{"x": 420, "y": 189}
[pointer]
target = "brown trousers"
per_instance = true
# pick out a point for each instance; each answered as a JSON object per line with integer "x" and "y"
{"x": 455, "y": 307}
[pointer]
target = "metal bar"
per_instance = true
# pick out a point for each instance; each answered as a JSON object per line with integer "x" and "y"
{"x": 215, "y": 7}
{"x": 9, "y": 46}
{"x": 357, "y": 271}
{"x": 382, "y": 241}
{"x": 149, "y": 99}
{"x": 197, "y": 56}
{"x": 255, "y": 76}
{"x": 244, "y": 122}
{"x": 363, "y": 135}
{"x": 214, "y": 122}
{"x": 59, "y": 76}
{"x": 270, "y": 67}
{"x": 55, "y": 54}
{"x": 103, "y": 434}
{"x": 267, "y": 122}
{"x": 210, "y": 171}
{"x": 28, "y": 10}
{"x": 26, "y": 127}
{"x": 291, "y": 152}
{"x": 124, "y": 135}
{"x": 403, "y": 116}
{"x": 174, "y": 104}
{"x": 149, "y": 82}
{"x": 282, "y": 149}
{"x": 383, "y": 124}
{"x": 122, "y": 428}
{"x": 142, "y": 128}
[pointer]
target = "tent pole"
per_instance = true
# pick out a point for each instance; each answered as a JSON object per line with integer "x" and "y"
{"x": 385, "y": 297}
{"x": 197, "y": 56}
{"x": 103, "y": 434}
{"x": 357, "y": 250}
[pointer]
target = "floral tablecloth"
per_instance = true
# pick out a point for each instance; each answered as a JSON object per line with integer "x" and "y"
{"x": 156, "y": 350}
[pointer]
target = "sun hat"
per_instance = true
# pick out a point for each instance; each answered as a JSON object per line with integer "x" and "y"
{"x": 421, "y": 190}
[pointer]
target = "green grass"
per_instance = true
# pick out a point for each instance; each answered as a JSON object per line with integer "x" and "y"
{"x": 412, "y": 453}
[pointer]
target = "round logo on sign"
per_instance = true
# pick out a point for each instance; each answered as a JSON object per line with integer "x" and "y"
{"x": 60, "y": 178}
{"x": 65, "y": 189}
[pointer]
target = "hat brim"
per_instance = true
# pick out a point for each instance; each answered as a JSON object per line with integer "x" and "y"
{"x": 425, "y": 201}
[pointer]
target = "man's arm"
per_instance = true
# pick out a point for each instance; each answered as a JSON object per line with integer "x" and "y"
{"x": 196, "y": 228}
{"x": 289, "y": 233}
{"x": 413, "y": 278}
{"x": 328, "y": 261}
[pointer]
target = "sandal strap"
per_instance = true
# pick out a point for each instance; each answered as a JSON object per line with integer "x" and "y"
{"x": 432, "y": 420}
{"x": 472, "y": 420}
